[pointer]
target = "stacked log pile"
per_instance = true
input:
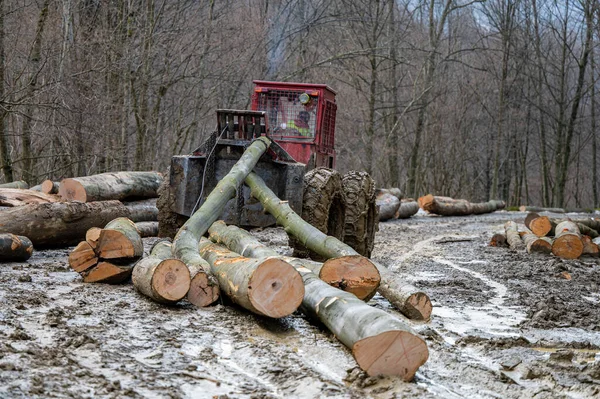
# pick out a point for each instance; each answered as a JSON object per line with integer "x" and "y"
{"x": 446, "y": 206}
{"x": 566, "y": 238}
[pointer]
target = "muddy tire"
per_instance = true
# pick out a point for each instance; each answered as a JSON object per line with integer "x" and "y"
{"x": 323, "y": 206}
{"x": 169, "y": 222}
{"x": 361, "y": 222}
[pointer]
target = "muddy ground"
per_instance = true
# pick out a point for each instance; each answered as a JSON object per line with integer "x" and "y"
{"x": 504, "y": 325}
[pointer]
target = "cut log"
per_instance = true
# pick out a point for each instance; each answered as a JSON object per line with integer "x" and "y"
{"x": 58, "y": 224}
{"x": 120, "y": 239}
{"x": 412, "y": 302}
{"x": 111, "y": 186}
{"x": 567, "y": 241}
{"x": 530, "y": 216}
{"x": 361, "y": 222}
{"x": 589, "y": 222}
{"x": 142, "y": 211}
{"x": 15, "y": 248}
{"x": 498, "y": 240}
{"x": 147, "y": 229}
{"x": 407, "y": 209}
{"x": 92, "y": 236}
{"x": 185, "y": 244}
{"x": 589, "y": 247}
{"x": 512, "y": 236}
{"x": 536, "y": 244}
{"x": 541, "y": 226}
{"x": 20, "y": 184}
{"x": 524, "y": 208}
{"x": 586, "y": 230}
{"x": 268, "y": 287}
{"x": 395, "y": 191}
{"x": 37, "y": 187}
{"x": 20, "y": 197}
{"x": 388, "y": 206}
{"x": 83, "y": 257}
{"x": 354, "y": 274}
{"x": 50, "y": 187}
{"x": 160, "y": 277}
{"x": 446, "y": 206}
{"x": 106, "y": 272}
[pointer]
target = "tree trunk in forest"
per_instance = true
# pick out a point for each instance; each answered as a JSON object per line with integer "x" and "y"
{"x": 14, "y": 248}
{"x": 533, "y": 243}
{"x": 412, "y": 302}
{"x": 19, "y": 197}
{"x": 268, "y": 287}
{"x": 567, "y": 241}
{"x": 50, "y": 187}
{"x": 185, "y": 244}
{"x": 111, "y": 186}
{"x": 120, "y": 239}
{"x": 407, "y": 209}
{"x": 512, "y": 236}
{"x": 20, "y": 184}
{"x": 59, "y": 223}
{"x": 388, "y": 206}
{"x": 142, "y": 211}
{"x": 5, "y": 157}
{"x": 354, "y": 274}
{"x": 160, "y": 277}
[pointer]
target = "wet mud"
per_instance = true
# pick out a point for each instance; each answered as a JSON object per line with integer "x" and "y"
{"x": 504, "y": 324}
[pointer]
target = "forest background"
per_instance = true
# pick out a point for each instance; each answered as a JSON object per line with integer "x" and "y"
{"x": 471, "y": 99}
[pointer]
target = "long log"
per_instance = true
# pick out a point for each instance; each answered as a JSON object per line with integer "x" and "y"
{"x": 111, "y": 186}
{"x": 533, "y": 243}
{"x": 512, "y": 236}
{"x": 407, "y": 209}
{"x": 143, "y": 210}
{"x": 185, "y": 243}
{"x": 524, "y": 208}
{"x": 388, "y": 205}
{"x": 380, "y": 342}
{"x": 50, "y": 187}
{"x": 412, "y": 302}
{"x": 147, "y": 229}
{"x": 58, "y": 224}
{"x": 160, "y": 277}
{"x": 15, "y": 184}
{"x": 354, "y": 274}
{"x": 14, "y": 248}
{"x": 445, "y": 206}
{"x": 20, "y": 197}
{"x": 567, "y": 241}
{"x": 120, "y": 239}
{"x": 268, "y": 287}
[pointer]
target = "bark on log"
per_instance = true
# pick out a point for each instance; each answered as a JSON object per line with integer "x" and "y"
{"x": 586, "y": 230}
{"x": 412, "y": 302}
{"x": 50, "y": 187}
{"x": 20, "y": 184}
{"x": 111, "y": 186}
{"x": 58, "y": 224}
{"x": 160, "y": 277}
{"x": 14, "y": 248}
{"x": 395, "y": 191}
{"x": 142, "y": 211}
{"x": 268, "y": 287}
{"x": 120, "y": 239}
{"x": 567, "y": 241}
{"x": 524, "y": 208}
{"x": 512, "y": 236}
{"x": 407, "y": 209}
{"x": 589, "y": 247}
{"x": 361, "y": 222}
{"x": 20, "y": 197}
{"x": 37, "y": 187}
{"x": 498, "y": 240}
{"x": 83, "y": 257}
{"x": 185, "y": 244}
{"x": 533, "y": 243}
{"x": 388, "y": 206}
{"x": 589, "y": 222}
{"x": 107, "y": 272}
{"x": 445, "y": 206}
{"x": 147, "y": 229}
{"x": 354, "y": 274}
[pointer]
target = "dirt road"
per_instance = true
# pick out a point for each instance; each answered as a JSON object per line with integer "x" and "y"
{"x": 504, "y": 325}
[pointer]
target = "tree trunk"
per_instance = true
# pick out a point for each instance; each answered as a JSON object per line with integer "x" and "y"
{"x": 533, "y": 243}
{"x": 409, "y": 300}
{"x": 185, "y": 244}
{"x": 388, "y": 206}
{"x": 445, "y": 206}
{"x": 512, "y": 236}
{"x": 20, "y": 197}
{"x": 147, "y": 229}
{"x": 15, "y": 184}
{"x": 120, "y": 239}
{"x": 268, "y": 287}
{"x": 142, "y": 211}
{"x": 14, "y": 248}
{"x": 407, "y": 209}
{"x": 50, "y": 187}
{"x": 111, "y": 186}
{"x": 567, "y": 242}
{"x": 160, "y": 277}
{"x": 58, "y": 224}
{"x": 354, "y": 274}
{"x": 5, "y": 156}
{"x": 524, "y": 208}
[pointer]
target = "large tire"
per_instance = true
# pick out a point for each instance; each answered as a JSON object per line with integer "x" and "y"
{"x": 323, "y": 206}
{"x": 361, "y": 212}
{"x": 169, "y": 222}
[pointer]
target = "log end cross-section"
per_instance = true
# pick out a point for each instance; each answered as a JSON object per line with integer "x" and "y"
{"x": 171, "y": 280}
{"x": 203, "y": 289}
{"x": 354, "y": 273}
{"x": 82, "y": 257}
{"x": 120, "y": 239}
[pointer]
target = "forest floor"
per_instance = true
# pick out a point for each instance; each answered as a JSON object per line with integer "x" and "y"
{"x": 504, "y": 324}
